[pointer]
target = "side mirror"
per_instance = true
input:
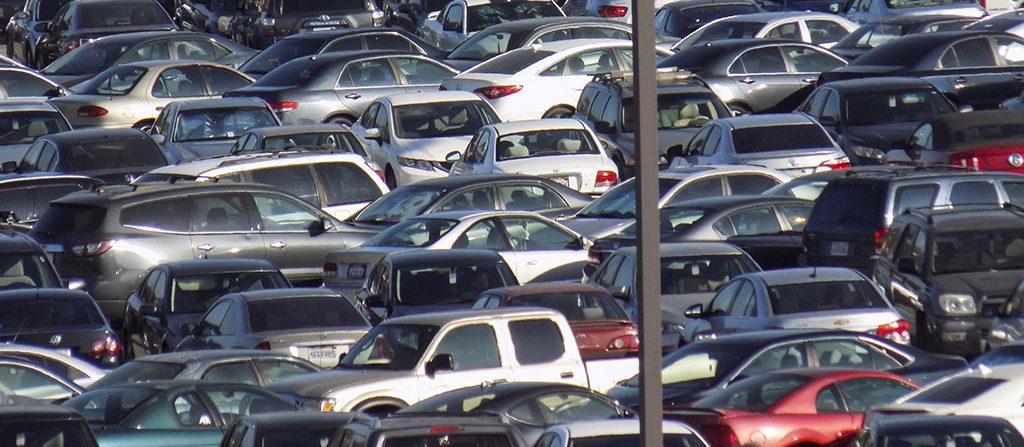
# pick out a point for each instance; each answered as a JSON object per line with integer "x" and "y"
{"x": 148, "y": 310}
{"x": 694, "y": 311}
{"x": 603, "y": 127}
{"x": 966, "y": 108}
{"x": 833, "y": 8}
{"x": 829, "y": 121}
{"x": 55, "y": 92}
{"x": 41, "y": 27}
{"x": 440, "y": 362}
{"x": 620, "y": 292}
{"x": 158, "y": 139}
{"x": 317, "y": 227}
{"x": 450, "y": 26}
{"x": 374, "y": 301}
{"x": 8, "y": 167}
{"x": 190, "y": 329}
{"x": 372, "y": 133}
{"x": 906, "y": 265}
{"x": 453, "y": 157}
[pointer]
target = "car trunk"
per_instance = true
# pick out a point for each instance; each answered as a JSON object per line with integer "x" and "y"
{"x": 76, "y": 341}
{"x": 64, "y": 226}
{"x": 996, "y": 157}
{"x": 322, "y": 347}
{"x": 296, "y": 16}
{"x": 856, "y": 320}
{"x": 351, "y": 267}
{"x": 795, "y": 162}
{"x": 595, "y": 337}
{"x": 575, "y": 171}
{"x": 468, "y": 82}
{"x": 847, "y": 225}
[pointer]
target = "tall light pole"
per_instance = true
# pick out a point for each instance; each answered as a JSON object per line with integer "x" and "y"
{"x": 648, "y": 266}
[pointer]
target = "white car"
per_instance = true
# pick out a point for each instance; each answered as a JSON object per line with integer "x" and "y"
{"x": 417, "y": 136}
{"x": 818, "y": 28}
{"x": 79, "y": 371}
{"x": 563, "y": 150}
{"x": 544, "y": 80}
{"x": 460, "y": 19}
{"x": 531, "y": 244}
{"x": 616, "y": 432}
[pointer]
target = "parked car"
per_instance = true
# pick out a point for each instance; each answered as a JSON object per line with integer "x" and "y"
{"x": 878, "y": 31}
{"x": 816, "y": 28}
{"x": 564, "y": 150}
{"x": 194, "y": 413}
{"x": 680, "y": 18}
{"x": 183, "y": 222}
{"x": 1006, "y": 354}
{"x": 768, "y": 228}
{"x": 617, "y": 432}
{"x": 291, "y": 429}
{"x": 338, "y": 87}
{"x": 899, "y": 429}
{"x": 982, "y": 79}
{"x": 24, "y": 264}
{"x": 208, "y": 127}
{"x": 77, "y": 370}
{"x": 417, "y": 136}
{"x": 111, "y": 155}
{"x": 26, "y": 196}
{"x": 326, "y": 137}
{"x": 77, "y": 22}
{"x": 175, "y": 295}
{"x": 507, "y": 36}
{"x": 424, "y": 430}
{"x": 1008, "y": 22}
{"x": 864, "y": 10}
{"x": 45, "y": 425}
{"x": 987, "y": 140}
{"x": 461, "y": 19}
{"x": 756, "y": 75}
{"x": 409, "y": 359}
{"x": 23, "y": 383}
{"x": 28, "y": 23}
{"x": 22, "y": 121}
{"x": 869, "y": 117}
{"x": 17, "y": 82}
{"x": 514, "y": 404}
{"x": 544, "y": 80}
{"x": 688, "y": 377}
{"x": 62, "y": 319}
{"x": 340, "y": 184}
{"x": 690, "y": 274}
{"x": 800, "y": 298}
{"x": 602, "y": 329}
{"x": 261, "y": 23}
{"x": 255, "y": 367}
{"x": 98, "y": 55}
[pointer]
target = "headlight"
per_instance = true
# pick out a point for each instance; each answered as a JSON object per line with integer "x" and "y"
{"x": 671, "y": 328}
{"x": 327, "y": 405}
{"x": 704, "y": 336}
{"x": 868, "y": 152}
{"x": 957, "y": 304}
{"x": 416, "y": 164}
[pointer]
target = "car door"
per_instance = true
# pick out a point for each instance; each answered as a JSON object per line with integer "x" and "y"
{"x": 758, "y": 231}
{"x": 220, "y": 226}
{"x": 419, "y": 74}
{"x": 763, "y": 77}
{"x": 906, "y": 285}
{"x": 716, "y": 313}
{"x": 363, "y": 81}
{"x": 297, "y": 237}
{"x": 863, "y": 394}
{"x": 540, "y": 353}
{"x": 538, "y": 247}
{"x": 475, "y": 359}
{"x": 175, "y": 84}
{"x": 154, "y": 326}
{"x": 967, "y": 71}
{"x": 832, "y": 415}
{"x": 805, "y": 63}
{"x": 453, "y": 27}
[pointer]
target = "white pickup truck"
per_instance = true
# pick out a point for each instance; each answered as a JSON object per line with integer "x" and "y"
{"x": 408, "y": 359}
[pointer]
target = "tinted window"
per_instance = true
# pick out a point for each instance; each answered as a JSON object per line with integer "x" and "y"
{"x": 751, "y": 184}
{"x": 113, "y": 154}
{"x": 863, "y": 394}
{"x": 21, "y": 84}
{"x": 451, "y": 439}
{"x": 756, "y": 394}
{"x": 281, "y": 53}
{"x": 372, "y": 73}
{"x": 345, "y": 183}
{"x": 235, "y": 372}
{"x": 511, "y": 62}
{"x": 44, "y": 433}
{"x": 907, "y": 106}
{"x": 296, "y": 180}
{"x": 482, "y": 16}
{"x": 730, "y": 29}
{"x": 196, "y": 293}
{"x": 809, "y": 60}
{"x": 445, "y": 285}
{"x": 107, "y": 15}
{"x": 140, "y": 371}
{"x": 969, "y": 53}
{"x": 529, "y": 198}
{"x": 854, "y": 204}
{"x": 220, "y": 80}
{"x": 973, "y": 193}
{"x": 38, "y": 312}
{"x": 25, "y": 270}
{"x": 759, "y": 61}
{"x": 1014, "y": 192}
{"x": 471, "y": 347}
{"x": 825, "y": 31}
{"x": 303, "y": 313}
{"x": 162, "y": 215}
{"x": 87, "y": 59}
{"x": 412, "y": 233}
{"x": 23, "y": 127}
{"x": 536, "y": 341}
{"x": 68, "y": 220}
{"x": 916, "y": 196}
{"x": 219, "y": 213}
{"x": 109, "y": 406}
{"x": 824, "y": 296}
{"x": 751, "y": 140}
{"x": 318, "y": 6}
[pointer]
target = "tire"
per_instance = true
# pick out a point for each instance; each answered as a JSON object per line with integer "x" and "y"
{"x": 740, "y": 109}
{"x": 389, "y": 178}
{"x": 559, "y": 112}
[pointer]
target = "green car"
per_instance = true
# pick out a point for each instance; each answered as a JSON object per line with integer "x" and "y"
{"x": 171, "y": 413}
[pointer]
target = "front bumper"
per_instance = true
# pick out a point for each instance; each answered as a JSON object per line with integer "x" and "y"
{"x": 405, "y": 175}
{"x": 959, "y": 335}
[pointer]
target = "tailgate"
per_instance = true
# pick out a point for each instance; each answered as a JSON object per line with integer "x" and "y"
{"x": 605, "y": 374}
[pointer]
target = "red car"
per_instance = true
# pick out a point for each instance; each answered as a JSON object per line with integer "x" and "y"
{"x": 792, "y": 407}
{"x": 991, "y": 140}
{"x": 601, "y": 327}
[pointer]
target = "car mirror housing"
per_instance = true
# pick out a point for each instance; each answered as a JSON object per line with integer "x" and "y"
{"x": 694, "y": 311}
{"x": 620, "y": 292}
{"x": 440, "y": 362}
{"x": 907, "y": 265}
{"x": 603, "y": 127}
{"x": 453, "y": 157}
{"x": 966, "y": 108}
{"x": 9, "y": 166}
{"x": 372, "y": 133}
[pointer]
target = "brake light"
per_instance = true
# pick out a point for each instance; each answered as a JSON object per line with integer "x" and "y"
{"x": 263, "y": 345}
{"x": 628, "y": 342}
{"x": 93, "y": 248}
{"x": 283, "y": 106}
{"x": 897, "y": 331}
{"x": 108, "y": 346}
{"x": 880, "y": 237}
{"x": 720, "y": 436}
{"x": 445, "y": 429}
{"x": 982, "y": 4}
{"x": 608, "y": 11}
{"x": 91, "y": 111}
{"x": 606, "y": 178}
{"x": 498, "y": 91}
{"x": 380, "y": 174}
{"x": 330, "y": 270}
{"x": 836, "y": 164}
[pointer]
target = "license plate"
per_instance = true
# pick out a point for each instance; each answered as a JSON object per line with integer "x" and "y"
{"x": 356, "y": 271}
{"x": 328, "y": 24}
{"x": 839, "y": 248}
{"x": 323, "y": 352}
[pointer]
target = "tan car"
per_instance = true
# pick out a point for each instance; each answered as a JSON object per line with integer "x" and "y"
{"x": 132, "y": 95}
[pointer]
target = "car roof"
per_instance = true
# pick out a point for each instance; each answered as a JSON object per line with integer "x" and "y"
{"x": 920, "y": 422}
{"x": 590, "y": 429}
{"x": 44, "y": 293}
{"x": 691, "y": 249}
{"x": 687, "y": 4}
{"x": 202, "y": 266}
{"x": 40, "y": 176}
{"x": 766, "y": 17}
{"x": 578, "y": 44}
{"x": 403, "y": 421}
{"x": 458, "y": 181}
{"x": 968, "y": 218}
{"x": 175, "y": 63}
{"x": 904, "y": 19}
{"x": 78, "y": 136}
{"x": 461, "y": 256}
{"x": 115, "y": 193}
{"x": 445, "y": 317}
{"x": 291, "y": 420}
{"x": 927, "y": 41}
{"x": 545, "y": 287}
{"x": 804, "y": 275}
{"x": 771, "y": 119}
{"x": 761, "y": 338}
{"x": 328, "y": 35}
{"x": 139, "y": 36}
{"x": 298, "y": 129}
{"x": 431, "y": 97}
{"x": 739, "y": 44}
{"x": 25, "y": 104}
{"x": 832, "y": 373}
{"x": 684, "y": 172}
{"x": 465, "y": 214}
{"x": 210, "y": 355}
{"x": 340, "y": 57}
{"x": 218, "y": 103}
{"x": 510, "y": 127}
{"x": 286, "y": 293}
{"x": 948, "y": 124}
{"x": 511, "y": 391}
{"x": 885, "y": 83}
{"x": 200, "y": 166}
{"x": 723, "y": 202}
{"x": 903, "y": 172}
{"x": 530, "y": 25}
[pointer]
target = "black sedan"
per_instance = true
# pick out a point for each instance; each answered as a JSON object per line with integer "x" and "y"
{"x": 530, "y": 406}
{"x": 877, "y": 32}
{"x": 111, "y": 155}
{"x": 699, "y": 369}
{"x": 766, "y": 227}
{"x": 286, "y": 429}
{"x": 61, "y": 319}
{"x": 976, "y": 68}
{"x": 921, "y": 430}
{"x": 680, "y": 18}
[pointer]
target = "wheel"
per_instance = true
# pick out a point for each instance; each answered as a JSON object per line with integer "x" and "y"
{"x": 740, "y": 109}
{"x": 559, "y": 112}
{"x": 340, "y": 120}
{"x": 389, "y": 178}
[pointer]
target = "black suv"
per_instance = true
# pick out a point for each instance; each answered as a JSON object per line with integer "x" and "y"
{"x": 80, "y": 21}
{"x": 685, "y": 104}
{"x": 950, "y": 271}
{"x": 111, "y": 236}
{"x": 263, "y": 22}
{"x": 852, "y": 215}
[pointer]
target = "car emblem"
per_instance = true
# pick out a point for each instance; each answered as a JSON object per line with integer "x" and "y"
{"x": 55, "y": 340}
{"x": 1016, "y": 160}
{"x": 325, "y": 17}
{"x": 841, "y": 322}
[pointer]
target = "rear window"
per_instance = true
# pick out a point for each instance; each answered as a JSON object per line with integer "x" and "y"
{"x": 109, "y": 406}
{"x": 114, "y": 154}
{"x": 140, "y": 371}
{"x": 70, "y": 220}
{"x": 511, "y": 62}
{"x": 955, "y": 391}
{"x": 576, "y": 306}
{"x": 44, "y": 433}
{"x": 824, "y": 296}
{"x": 779, "y": 138}
{"x": 292, "y": 74}
{"x": 446, "y": 284}
{"x": 856, "y": 205}
{"x": 280, "y": 53}
{"x": 303, "y": 313}
{"x": 449, "y": 439}
{"x": 24, "y": 127}
{"x": 196, "y": 293}
{"x": 39, "y": 313}
{"x": 671, "y": 440}
{"x": 107, "y": 15}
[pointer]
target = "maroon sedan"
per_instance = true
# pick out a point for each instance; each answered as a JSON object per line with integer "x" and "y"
{"x": 601, "y": 327}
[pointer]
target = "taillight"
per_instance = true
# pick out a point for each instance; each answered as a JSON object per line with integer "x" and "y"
{"x": 594, "y": 255}
{"x": 880, "y": 238}
{"x": 107, "y": 346}
{"x": 498, "y": 91}
{"x": 91, "y": 111}
{"x": 626, "y": 342}
{"x": 446, "y": 429}
{"x": 605, "y": 178}
{"x": 612, "y": 11}
{"x": 93, "y": 248}
{"x": 982, "y": 3}
{"x": 720, "y": 436}
{"x": 836, "y": 164}
{"x": 263, "y": 346}
{"x": 330, "y": 270}
{"x": 380, "y": 174}
{"x": 897, "y": 331}
{"x": 283, "y": 106}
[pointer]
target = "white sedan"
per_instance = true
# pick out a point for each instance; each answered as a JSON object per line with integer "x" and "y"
{"x": 544, "y": 80}
{"x": 417, "y": 136}
{"x": 564, "y": 150}
{"x": 530, "y": 243}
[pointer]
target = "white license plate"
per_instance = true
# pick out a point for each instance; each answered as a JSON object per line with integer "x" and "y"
{"x": 323, "y": 353}
{"x": 839, "y": 248}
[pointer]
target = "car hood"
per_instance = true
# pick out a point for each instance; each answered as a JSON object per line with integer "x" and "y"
{"x": 432, "y": 149}
{"x": 188, "y": 150}
{"x": 589, "y": 226}
{"x": 881, "y": 136}
{"x": 318, "y": 385}
{"x": 979, "y": 284}
{"x": 676, "y": 395}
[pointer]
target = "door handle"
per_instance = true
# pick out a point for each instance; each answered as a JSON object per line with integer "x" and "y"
{"x": 353, "y": 96}
{"x": 809, "y": 80}
{"x": 568, "y": 375}
{"x": 531, "y": 262}
{"x": 206, "y": 246}
{"x": 747, "y": 81}
{"x": 960, "y": 82}
{"x": 278, "y": 245}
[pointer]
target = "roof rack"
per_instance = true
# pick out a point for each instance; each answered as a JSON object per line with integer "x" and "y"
{"x": 666, "y": 76}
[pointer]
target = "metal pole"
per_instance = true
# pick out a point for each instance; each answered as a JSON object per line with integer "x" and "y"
{"x": 648, "y": 267}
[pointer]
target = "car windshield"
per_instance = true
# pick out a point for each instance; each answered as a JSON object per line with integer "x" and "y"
{"x": 110, "y": 15}
{"x": 907, "y": 4}
{"x": 109, "y": 406}
{"x": 296, "y": 436}
{"x": 728, "y": 29}
{"x": 396, "y": 347}
{"x": 512, "y": 62}
{"x": 45, "y": 433}
{"x": 221, "y": 123}
{"x": 320, "y": 6}
{"x": 871, "y": 35}
{"x": 400, "y": 204}
{"x": 544, "y": 143}
{"x": 26, "y": 271}
{"x": 824, "y": 296}
{"x": 678, "y": 111}
{"x": 326, "y": 141}
{"x": 755, "y": 394}
{"x": 670, "y": 440}
{"x": 978, "y": 250}
{"x": 304, "y": 313}
{"x": 89, "y": 58}
{"x": 482, "y": 16}
{"x": 938, "y": 434}
{"x": 412, "y": 233}
{"x": 908, "y": 106}
{"x": 785, "y": 137}
{"x": 27, "y": 314}
{"x": 114, "y": 154}
{"x": 442, "y": 119}
{"x": 137, "y": 371}
{"x": 279, "y": 53}
{"x": 484, "y": 45}
{"x": 620, "y": 201}
{"x": 116, "y": 81}
{"x": 576, "y": 306}
{"x": 196, "y": 293}
{"x": 24, "y": 127}
{"x": 441, "y": 284}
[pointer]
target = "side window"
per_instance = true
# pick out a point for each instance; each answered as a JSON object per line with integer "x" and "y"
{"x": 382, "y": 122}
{"x": 919, "y": 250}
{"x": 219, "y": 213}
{"x": 797, "y": 215}
{"x": 586, "y": 99}
{"x": 626, "y": 273}
{"x": 905, "y": 246}
{"x": 536, "y": 341}
{"x": 815, "y": 103}
{"x": 471, "y": 199}
{"x": 790, "y": 31}
{"x": 162, "y": 215}
{"x": 750, "y": 184}
{"x": 213, "y": 319}
{"x": 483, "y": 235}
{"x": 969, "y": 53}
{"x": 191, "y": 412}
{"x": 745, "y": 304}
{"x": 388, "y": 42}
{"x": 153, "y": 51}
{"x": 146, "y": 291}
{"x": 597, "y": 109}
{"x": 564, "y": 408}
{"x": 29, "y": 383}
{"x": 699, "y": 189}
{"x": 220, "y": 80}
{"x": 233, "y": 403}
{"x": 529, "y": 198}
{"x": 915, "y": 196}
{"x": 47, "y": 158}
{"x": 1014, "y": 192}
{"x": 862, "y": 394}
{"x": 606, "y": 275}
{"x": 273, "y": 370}
{"x": 32, "y": 155}
{"x": 611, "y": 112}
{"x": 179, "y": 82}
{"x": 368, "y": 118}
{"x": 160, "y": 290}
{"x": 346, "y": 183}
{"x": 471, "y": 347}
{"x": 592, "y": 62}
{"x": 601, "y": 32}
{"x": 852, "y": 354}
{"x": 722, "y": 301}
{"x": 828, "y": 401}
{"x": 825, "y": 31}
{"x": 281, "y": 214}
{"x": 453, "y": 20}
{"x": 194, "y": 49}
{"x": 782, "y": 357}
{"x": 554, "y": 36}
{"x": 1009, "y": 51}
{"x": 235, "y": 372}
{"x": 760, "y": 220}
{"x": 234, "y": 438}
{"x": 973, "y": 193}
{"x": 420, "y": 72}
{"x": 711, "y": 145}
{"x": 532, "y": 234}
{"x": 295, "y": 180}
{"x": 759, "y": 61}
{"x": 353, "y": 43}
{"x": 831, "y": 106}
{"x": 371, "y": 73}
{"x": 697, "y": 143}
{"x": 809, "y": 60}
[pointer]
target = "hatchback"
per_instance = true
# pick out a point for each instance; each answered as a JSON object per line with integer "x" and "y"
{"x": 68, "y": 320}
